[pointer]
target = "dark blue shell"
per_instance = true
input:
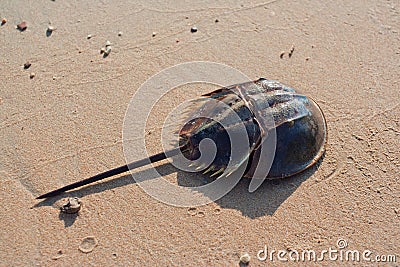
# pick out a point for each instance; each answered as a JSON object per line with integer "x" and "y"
{"x": 264, "y": 106}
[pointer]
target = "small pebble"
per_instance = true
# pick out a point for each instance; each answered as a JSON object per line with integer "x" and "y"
{"x": 50, "y": 28}
{"x": 291, "y": 51}
{"x": 282, "y": 54}
{"x": 154, "y": 34}
{"x": 32, "y": 75}
{"x": 27, "y": 65}
{"x": 102, "y": 50}
{"x": 108, "y": 43}
{"x": 193, "y": 29}
{"x": 216, "y": 21}
{"x": 3, "y": 21}
{"x": 107, "y": 51}
{"x": 245, "y": 258}
{"x": 89, "y": 36}
{"x": 22, "y": 26}
{"x": 88, "y": 244}
{"x": 119, "y": 33}
{"x": 73, "y": 206}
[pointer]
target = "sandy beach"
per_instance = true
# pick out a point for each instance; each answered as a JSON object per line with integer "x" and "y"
{"x": 61, "y": 120}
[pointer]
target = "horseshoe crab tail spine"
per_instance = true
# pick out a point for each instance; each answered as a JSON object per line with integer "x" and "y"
{"x": 115, "y": 171}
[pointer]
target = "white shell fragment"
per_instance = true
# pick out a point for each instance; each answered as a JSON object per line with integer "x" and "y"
{"x": 245, "y": 258}
{"x": 107, "y": 51}
{"x": 59, "y": 255}
{"x": 88, "y": 244}
{"x": 73, "y": 206}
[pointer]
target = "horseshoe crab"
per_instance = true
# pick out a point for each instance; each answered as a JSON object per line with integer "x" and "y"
{"x": 262, "y": 105}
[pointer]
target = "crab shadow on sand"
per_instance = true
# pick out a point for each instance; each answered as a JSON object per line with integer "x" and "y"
{"x": 264, "y": 201}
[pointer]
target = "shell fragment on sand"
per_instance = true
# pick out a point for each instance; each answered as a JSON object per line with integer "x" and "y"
{"x": 27, "y": 65}
{"x": 107, "y": 51}
{"x": 88, "y": 244}
{"x": 72, "y": 206}
{"x": 245, "y": 258}
{"x": 22, "y": 26}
